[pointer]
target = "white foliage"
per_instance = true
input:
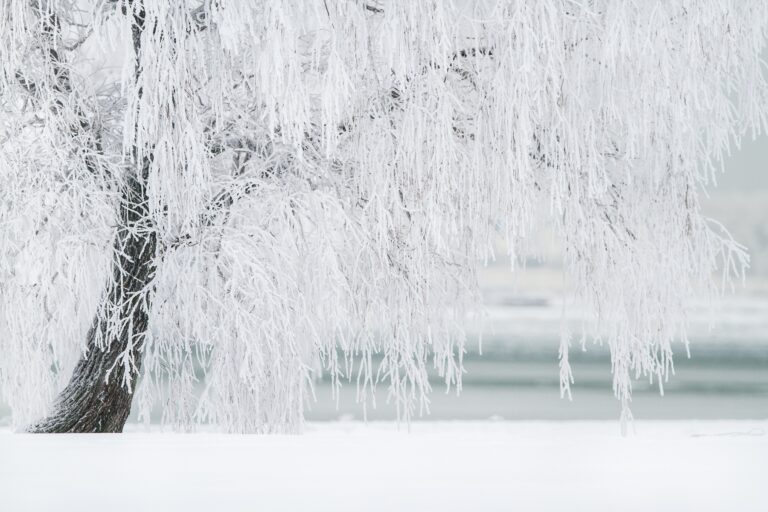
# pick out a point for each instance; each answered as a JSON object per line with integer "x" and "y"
{"x": 325, "y": 176}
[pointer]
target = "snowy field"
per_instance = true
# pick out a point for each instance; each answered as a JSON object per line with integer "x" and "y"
{"x": 440, "y": 466}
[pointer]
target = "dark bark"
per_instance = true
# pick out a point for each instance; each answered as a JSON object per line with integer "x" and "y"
{"x": 99, "y": 394}
{"x": 97, "y": 398}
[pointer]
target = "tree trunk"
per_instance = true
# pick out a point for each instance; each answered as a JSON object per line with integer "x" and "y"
{"x": 97, "y": 398}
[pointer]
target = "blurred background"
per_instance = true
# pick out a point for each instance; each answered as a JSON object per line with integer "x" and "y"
{"x": 517, "y": 375}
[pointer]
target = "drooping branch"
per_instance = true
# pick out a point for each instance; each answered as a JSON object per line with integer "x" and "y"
{"x": 99, "y": 394}
{"x": 81, "y": 129}
{"x": 350, "y": 171}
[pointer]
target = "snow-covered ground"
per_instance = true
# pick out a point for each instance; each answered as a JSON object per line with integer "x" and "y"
{"x": 440, "y": 466}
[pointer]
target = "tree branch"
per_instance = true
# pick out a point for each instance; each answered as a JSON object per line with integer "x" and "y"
{"x": 82, "y": 128}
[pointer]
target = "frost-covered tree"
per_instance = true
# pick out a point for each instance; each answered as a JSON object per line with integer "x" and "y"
{"x": 266, "y": 192}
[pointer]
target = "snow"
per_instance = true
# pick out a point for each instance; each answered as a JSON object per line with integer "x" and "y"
{"x": 322, "y": 179}
{"x": 462, "y": 466}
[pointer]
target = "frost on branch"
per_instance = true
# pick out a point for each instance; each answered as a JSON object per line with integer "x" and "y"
{"x": 323, "y": 177}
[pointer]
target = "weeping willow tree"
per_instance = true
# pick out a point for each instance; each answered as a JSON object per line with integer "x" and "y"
{"x": 267, "y": 192}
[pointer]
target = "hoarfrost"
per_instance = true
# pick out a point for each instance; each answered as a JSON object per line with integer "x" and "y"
{"x": 324, "y": 177}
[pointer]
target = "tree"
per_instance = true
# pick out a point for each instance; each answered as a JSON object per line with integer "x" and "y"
{"x": 264, "y": 192}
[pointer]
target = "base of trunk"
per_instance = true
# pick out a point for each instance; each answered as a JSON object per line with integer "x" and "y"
{"x": 91, "y": 402}
{"x": 97, "y": 398}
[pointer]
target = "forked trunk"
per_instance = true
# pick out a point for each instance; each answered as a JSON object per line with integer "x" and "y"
{"x": 96, "y": 398}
